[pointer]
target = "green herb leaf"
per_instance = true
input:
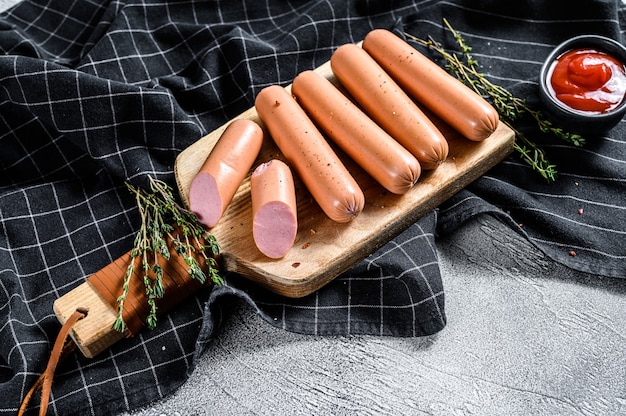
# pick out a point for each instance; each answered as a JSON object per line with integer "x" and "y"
{"x": 161, "y": 215}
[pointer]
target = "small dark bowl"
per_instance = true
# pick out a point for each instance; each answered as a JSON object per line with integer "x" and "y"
{"x": 573, "y": 120}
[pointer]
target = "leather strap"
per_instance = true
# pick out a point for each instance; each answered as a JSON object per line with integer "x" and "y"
{"x": 62, "y": 348}
{"x": 108, "y": 281}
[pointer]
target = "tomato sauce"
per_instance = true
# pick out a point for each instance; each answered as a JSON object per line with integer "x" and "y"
{"x": 588, "y": 80}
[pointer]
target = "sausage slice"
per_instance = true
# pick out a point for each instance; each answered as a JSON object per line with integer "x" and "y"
{"x": 274, "y": 211}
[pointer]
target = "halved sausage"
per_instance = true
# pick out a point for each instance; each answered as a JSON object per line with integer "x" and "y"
{"x": 387, "y": 104}
{"x": 447, "y": 97}
{"x": 304, "y": 147}
{"x": 274, "y": 211}
{"x": 228, "y": 163}
{"x": 390, "y": 164}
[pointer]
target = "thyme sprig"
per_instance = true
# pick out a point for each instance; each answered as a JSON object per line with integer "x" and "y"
{"x": 509, "y": 107}
{"x": 163, "y": 220}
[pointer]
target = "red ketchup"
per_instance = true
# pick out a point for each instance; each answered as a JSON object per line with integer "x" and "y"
{"x": 588, "y": 80}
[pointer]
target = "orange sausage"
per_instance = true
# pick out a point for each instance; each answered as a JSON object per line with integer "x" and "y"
{"x": 390, "y": 164}
{"x": 224, "y": 169}
{"x": 447, "y": 97}
{"x": 315, "y": 162}
{"x": 274, "y": 211}
{"x": 383, "y": 99}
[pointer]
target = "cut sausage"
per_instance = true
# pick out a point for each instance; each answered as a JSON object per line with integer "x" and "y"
{"x": 315, "y": 162}
{"x": 447, "y": 97}
{"x": 274, "y": 211}
{"x": 385, "y": 102}
{"x": 390, "y": 164}
{"x": 228, "y": 163}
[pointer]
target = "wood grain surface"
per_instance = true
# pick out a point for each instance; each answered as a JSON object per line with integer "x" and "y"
{"x": 94, "y": 333}
{"x": 323, "y": 248}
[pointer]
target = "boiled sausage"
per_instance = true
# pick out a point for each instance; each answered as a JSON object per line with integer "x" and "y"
{"x": 390, "y": 164}
{"x": 387, "y": 104}
{"x": 450, "y": 99}
{"x": 228, "y": 163}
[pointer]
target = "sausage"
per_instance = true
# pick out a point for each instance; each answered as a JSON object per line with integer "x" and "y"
{"x": 385, "y": 102}
{"x": 390, "y": 164}
{"x": 304, "y": 147}
{"x": 428, "y": 83}
{"x": 274, "y": 211}
{"x": 228, "y": 163}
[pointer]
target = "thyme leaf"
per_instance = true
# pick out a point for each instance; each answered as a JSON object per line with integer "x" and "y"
{"x": 161, "y": 216}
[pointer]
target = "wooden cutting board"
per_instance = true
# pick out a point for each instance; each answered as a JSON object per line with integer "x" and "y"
{"x": 324, "y": 249}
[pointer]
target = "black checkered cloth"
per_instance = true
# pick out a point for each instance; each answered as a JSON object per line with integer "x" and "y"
{"x": 96, "y": 93}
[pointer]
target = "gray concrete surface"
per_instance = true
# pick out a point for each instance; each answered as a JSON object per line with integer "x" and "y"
{"x": 525, "y": 336}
